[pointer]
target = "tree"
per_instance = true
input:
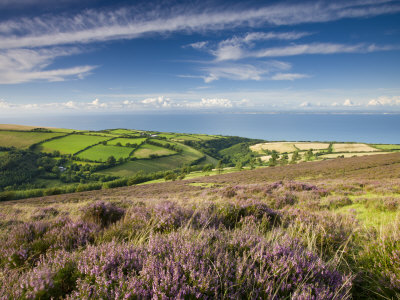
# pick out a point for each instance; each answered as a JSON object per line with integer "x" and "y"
{"x": 239, "y": 165}
{"x": 111, "y": 161}
{"x": 219, "y": 167}
{"x": 208, "y": 168}
{"x": 273, "y": 160}
{"x": 284, "y": 159}
{"x": 295, "y": 157}
{"x": 170, "y": 176}
{"x": 309, "y": 155}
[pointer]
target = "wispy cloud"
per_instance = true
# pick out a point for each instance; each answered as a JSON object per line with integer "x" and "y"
{"x": 238, "y": 47}
{"x": 318, "y": 48}
{"x": 236, "y": 71}
{"x": 24, "y": 65}
{"x": 127, "y": 23}
{"x": 289, "y": 76}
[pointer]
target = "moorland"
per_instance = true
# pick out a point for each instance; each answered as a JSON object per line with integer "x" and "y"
{"x": 312, "y": 230}
{"x": 307, "y": 227}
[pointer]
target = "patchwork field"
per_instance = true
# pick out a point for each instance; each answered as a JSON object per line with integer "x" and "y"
{"x": 124, "y": 141}
{"x": 71, "y": 144}
{"x": 102, "y": 152}
{"x": 314, "y": 146}
{"x": 23, "y": 140}
{"x": 146, "y": 150}
{"x": 130, "y": 168}
{"x": 352, "y": 148}
{"x": 387, "y": 147}
{"x": 276, "y": 146}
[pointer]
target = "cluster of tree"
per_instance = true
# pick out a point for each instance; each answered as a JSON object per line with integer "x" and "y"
{"x": 213, "y": 147}
{"x": 39, "y": 129}
{"x": 17, "y": 168}
{"x": 163, "y": 145}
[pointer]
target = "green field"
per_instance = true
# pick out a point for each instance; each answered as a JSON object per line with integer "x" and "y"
{"x": 167, "y": 135}
{"x": 71, "y": 144}
{"x": 102, "y": 152}
{"x": 162, "y": 142}
{"x": 146, "y": 150}
{"x": 124, "y": 131}
{"x": 124, "y": 141}
{"x": 23, "y": 140}
{"x": 387, "y": 147}
{"x": 186, "y": 138}
{"x": 187, "y": 156}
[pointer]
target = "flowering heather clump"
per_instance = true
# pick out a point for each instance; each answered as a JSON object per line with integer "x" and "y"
{"x": 181, "y": 265}
{"x": 45, "y": 213}
{"x": 102, "y": 213}
{"x": 26, "y": 242}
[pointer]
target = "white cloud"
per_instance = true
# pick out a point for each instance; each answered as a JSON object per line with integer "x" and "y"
{"x": 158, "y": 102}
{"x": 236, "y": 71}
{"x": 24, "y": 65}
{"x": 237, "y": 47}
{"x": 127, "y": 23}
{"x": 289, "y": 76}
{"x": 385, "y": 101}
{"x": 306, "y": 104}
{"x": 198, "y": 45}
{"x": 348, "y": 102}
{"x": 4, "y": 104}
{"x": 317, "y": 48}
{"x": 211, "y": 103}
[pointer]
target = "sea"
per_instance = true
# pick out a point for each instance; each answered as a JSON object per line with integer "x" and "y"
{"x": 367, "y": 128}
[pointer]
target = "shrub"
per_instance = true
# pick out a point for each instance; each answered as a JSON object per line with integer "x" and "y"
{"x": 102, "y": 213}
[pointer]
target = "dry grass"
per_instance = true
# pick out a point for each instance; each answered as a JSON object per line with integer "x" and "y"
{"x": 16, "y": 127}
{"x": 276, "y": 146}
{"x": 265, "y": 158}
{"x": 347, "y": 154}
{"x": 314, "y": 146}
{"x": 353, "y": 148}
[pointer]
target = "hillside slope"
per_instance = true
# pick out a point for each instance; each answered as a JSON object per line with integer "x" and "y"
{"x": 321, "y": 230}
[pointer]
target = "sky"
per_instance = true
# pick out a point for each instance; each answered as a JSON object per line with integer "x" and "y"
{"x": 93, "y": 56}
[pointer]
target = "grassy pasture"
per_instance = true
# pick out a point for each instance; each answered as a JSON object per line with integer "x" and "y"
{"x": 71, "y": 144}
{"x": 130, "y": 168}
{"x": 124, "y": 141}
{"x": 388, "y": 147}
{"x": 23, "y": 140}
{"x": 275, "y": 146}
{"x": 186, "y": 138}
{"x": 314, "y": 146}
{"x": 167, "y": 135}
{"x": 339, "y": 147}
{"x": 102, "y": 152}
{"x": 162, "y": 142}
{"x": 146, "y": 150}
{"x": 123, "y": 131}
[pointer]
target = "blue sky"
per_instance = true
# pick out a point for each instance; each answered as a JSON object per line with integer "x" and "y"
{"x": 171, "y": 56}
